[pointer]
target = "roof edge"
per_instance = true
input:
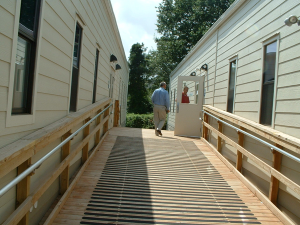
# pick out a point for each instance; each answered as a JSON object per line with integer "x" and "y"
{"x": 232, "y": 9}
{"x": 116, "y": 29}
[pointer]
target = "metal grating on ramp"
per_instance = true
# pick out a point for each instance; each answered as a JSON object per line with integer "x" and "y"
{"x": 162, "y": 181}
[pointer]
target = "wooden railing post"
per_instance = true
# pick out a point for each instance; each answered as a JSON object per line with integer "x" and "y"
{"x": 239, "y": 155}
{"x": 274, "y": 185}
{"x": 116, "y": 113}
{"x": 219, "y": 143}
{"x": 205, "y": 129}
{"x": 97, "y": 135}
{"x": 64, "y": 176}
{"x": 85, "y": 149}
{"x": 105, "y": 125}
{"x": 23, "y": 190}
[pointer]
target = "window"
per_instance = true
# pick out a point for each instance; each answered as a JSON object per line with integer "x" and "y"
{"x": 95, "y": 76}
{"x": 111, "y": 86}
{"x": 231, "y": 86}
{"x": 269, "y": 70}
{"x": 75, "y": 70}
{"x": 171, "y": 94}
{"x": 188, "y": 92}
{"x": 196, "y": 92}
{"x": 25, "y": 57}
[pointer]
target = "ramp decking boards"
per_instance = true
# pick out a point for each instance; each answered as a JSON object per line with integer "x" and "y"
{"x": 142, "y": 179}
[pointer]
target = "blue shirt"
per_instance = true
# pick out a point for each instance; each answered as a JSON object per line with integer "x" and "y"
{"x": 161, "y": 97}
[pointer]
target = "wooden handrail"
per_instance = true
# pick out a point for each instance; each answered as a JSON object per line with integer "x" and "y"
{"x": 275, "y": 136}
{"x": 21, "y": 150}
{"x": 264, "y": 166}
{"x": 59, "y": 129}
{"x": 279, "y": 138}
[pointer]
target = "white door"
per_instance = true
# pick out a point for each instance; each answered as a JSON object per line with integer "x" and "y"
{"x": 187, "y": 121}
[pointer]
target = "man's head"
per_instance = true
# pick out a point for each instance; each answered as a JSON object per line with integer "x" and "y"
{"x": 185, "y": 89}
{"x": 163, "y": 85}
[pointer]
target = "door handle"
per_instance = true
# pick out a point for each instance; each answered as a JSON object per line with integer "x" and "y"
{"x": 177, "y": 108}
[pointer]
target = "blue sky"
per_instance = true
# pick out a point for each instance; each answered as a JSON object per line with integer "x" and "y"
{"x": 136, "y": 21}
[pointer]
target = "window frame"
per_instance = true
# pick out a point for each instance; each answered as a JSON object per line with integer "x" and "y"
{"x": 267, "y": 41}
{"x": 30, "y": 36}
{"x": 78, "y": 21}
{"x": 13, "y": 120}
{"x": 232, "y": 59}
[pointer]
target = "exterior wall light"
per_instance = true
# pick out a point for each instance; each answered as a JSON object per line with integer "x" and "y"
{"x": 113, "y": 58}
{"x": 118, "y": 67}
{"x": 292, "y": 20}
{"x": 204, "y": 67}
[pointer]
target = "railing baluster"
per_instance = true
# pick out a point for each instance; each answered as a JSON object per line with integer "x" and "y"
{"x": 116, "y": 113}
{"x": 85, "y": 149}
{"x": 219, "y": 143}
{"x": 105, "y": 125}
{"x": 274, "y": 184}
{"x": 98, "y": 121}
{"x": 64, "y": 176}
{"x": 205, "y": 129}
{"x": 23, "y": 190}
{"x": 239, "y": 155}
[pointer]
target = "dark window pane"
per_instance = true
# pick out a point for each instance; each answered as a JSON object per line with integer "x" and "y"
{"x": 269, "y": 62}
{"x": 21, "y": 82}
{"x": 231, "y": 87}
{"x": 28, "y": 13}
{"x": 75, "y": 71}
{"x": 267, "y": 103}
{"x": 95, "y": 76}
{"x": 268, "y": 83}
{"x": 77, "y": 42}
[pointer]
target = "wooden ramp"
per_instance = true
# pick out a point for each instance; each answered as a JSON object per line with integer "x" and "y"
{"x": 138, "y": 178}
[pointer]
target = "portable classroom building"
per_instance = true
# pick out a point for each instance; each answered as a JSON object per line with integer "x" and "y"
{"x": 56, "y": 58}
{"x": 250, "y": 52}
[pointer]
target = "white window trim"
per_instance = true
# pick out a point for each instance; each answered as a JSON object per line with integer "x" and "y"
{"x": 270, "y": 39}
{"x": 19, "y": 119}
{"x": 234, "y": 58}
{"x": 82, "y": 24}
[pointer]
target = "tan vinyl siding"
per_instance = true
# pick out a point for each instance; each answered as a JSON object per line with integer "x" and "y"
{"x": 56, "y": 55}
{"x": 6, "y": 44}
{"x": 8, "y": 201}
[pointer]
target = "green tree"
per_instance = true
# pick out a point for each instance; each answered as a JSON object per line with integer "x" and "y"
{"x": 138, "y": 99}
{"x": 181, "y": 24}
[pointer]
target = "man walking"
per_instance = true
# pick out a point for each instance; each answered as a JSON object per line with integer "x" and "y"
{"x": 161, "y": 102}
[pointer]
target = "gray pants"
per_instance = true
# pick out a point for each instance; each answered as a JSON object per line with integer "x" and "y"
{"x": 160, "y": 113}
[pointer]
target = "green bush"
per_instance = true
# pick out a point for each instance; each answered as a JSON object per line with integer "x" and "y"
{"x": 141, "y": 121}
